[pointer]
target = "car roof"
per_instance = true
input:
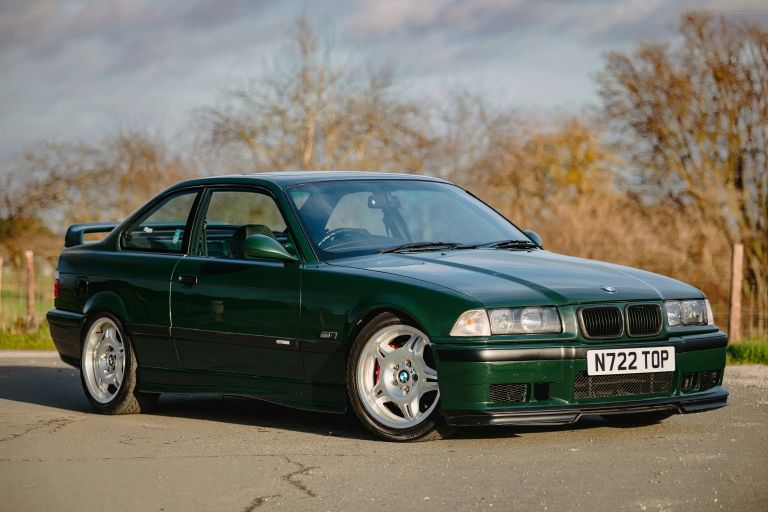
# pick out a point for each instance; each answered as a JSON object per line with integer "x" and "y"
{"x": 284, "y": 179}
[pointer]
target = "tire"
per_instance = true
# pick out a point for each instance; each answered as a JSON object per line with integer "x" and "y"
{"x": 392, "y": 382}
{"x": 637, "y": 419}
{"x": 108, "y": 368}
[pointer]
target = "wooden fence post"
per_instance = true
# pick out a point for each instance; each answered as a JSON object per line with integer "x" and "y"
{"x": 30, "y": 258}
{"x": 2, "y": 322}
{"x": 734, "y": 321}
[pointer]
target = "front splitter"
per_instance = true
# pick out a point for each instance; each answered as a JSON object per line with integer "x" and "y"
{"x": 714, "y": 399}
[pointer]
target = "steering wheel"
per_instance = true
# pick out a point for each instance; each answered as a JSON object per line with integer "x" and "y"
{"x": 338, "y": 234}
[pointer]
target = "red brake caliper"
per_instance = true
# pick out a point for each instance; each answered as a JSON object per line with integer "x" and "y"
{"x": 376, "y": 368}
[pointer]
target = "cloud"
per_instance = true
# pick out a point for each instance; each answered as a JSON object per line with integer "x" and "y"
{"x": 594, "y": 22}
{"x": 80, "y": 68}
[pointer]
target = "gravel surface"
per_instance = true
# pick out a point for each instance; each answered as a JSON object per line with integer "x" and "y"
{"x": 240, "y": 455}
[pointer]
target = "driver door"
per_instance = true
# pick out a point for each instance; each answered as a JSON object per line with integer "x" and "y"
{"x": 232, "y": 314}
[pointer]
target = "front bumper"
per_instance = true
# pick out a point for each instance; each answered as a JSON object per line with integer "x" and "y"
{"x": 547, "y": 373}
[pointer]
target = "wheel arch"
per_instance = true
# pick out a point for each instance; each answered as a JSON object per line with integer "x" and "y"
{"x": 109, "y": 302}
{"x": 367, "y": 315}
{"x": 431, "y": 311}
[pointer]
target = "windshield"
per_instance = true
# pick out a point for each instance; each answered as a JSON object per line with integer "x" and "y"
{"x": 352, "y": 218}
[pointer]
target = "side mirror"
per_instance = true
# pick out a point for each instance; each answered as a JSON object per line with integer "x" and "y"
{"x": 534, "y": 236}
{"x": 263, "y": 246}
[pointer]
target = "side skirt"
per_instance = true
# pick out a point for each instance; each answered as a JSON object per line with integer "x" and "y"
{"x": 298, "y": 394}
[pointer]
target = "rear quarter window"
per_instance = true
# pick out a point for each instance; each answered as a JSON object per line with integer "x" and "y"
{"x": 163, "y": 228}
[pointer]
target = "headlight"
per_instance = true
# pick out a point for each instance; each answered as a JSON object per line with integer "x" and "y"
{"x": 531, "y": 320}
{"x": 688, "y": 312}
{"x": 472, "y": 323}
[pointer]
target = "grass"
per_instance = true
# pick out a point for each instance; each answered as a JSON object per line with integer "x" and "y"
{"x": 748, "y": 352}
{"x": 39, "y": 339}
{"x": 13, "y": 298}
{"x": 13, "y": 309}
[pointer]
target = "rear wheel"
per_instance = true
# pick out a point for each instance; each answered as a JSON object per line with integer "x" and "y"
{"x": 392, "y": 380}
{"x": 108, "y": 369}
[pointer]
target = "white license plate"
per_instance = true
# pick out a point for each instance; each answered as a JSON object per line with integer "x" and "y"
{"x": 630, "y": 360}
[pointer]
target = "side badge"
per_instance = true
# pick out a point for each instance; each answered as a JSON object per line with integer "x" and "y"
{"x": 328, "y": 335}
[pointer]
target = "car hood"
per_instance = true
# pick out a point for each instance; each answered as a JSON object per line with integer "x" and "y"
{"x": 498, "y": 278}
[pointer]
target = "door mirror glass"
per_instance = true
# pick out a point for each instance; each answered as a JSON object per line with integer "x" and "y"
{"x": 263, "y": 246}
{"x": 534, "y": 236}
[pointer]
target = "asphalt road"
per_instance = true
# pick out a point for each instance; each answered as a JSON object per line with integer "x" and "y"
{"x": 239, "y": 455}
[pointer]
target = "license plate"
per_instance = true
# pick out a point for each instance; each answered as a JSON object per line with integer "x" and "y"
{"x": 630, "y": 360}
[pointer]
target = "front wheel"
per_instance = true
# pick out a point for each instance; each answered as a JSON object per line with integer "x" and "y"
{"x": 108, "y": 369}
{"x": 392, "y": 380}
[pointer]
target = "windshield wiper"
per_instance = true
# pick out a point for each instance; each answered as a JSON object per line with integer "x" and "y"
{"x": 512, "y": 244}
{"x": 422, "y": 246}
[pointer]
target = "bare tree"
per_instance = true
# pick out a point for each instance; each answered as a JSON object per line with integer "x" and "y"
{"x": 62, "y": 183}
{"x": 529, "y": 167}
{"x": 470, "y": 135}
{"x": 311, "y": 112}
{"x": 694, "y": 120}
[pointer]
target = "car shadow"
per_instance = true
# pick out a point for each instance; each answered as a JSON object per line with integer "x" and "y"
{"x": 60, "y": 388}
{"x": 258, "y": 413}
{"x": 57, "y": 387}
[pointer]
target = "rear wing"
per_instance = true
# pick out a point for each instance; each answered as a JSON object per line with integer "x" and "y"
{"x": 76, "y": 232}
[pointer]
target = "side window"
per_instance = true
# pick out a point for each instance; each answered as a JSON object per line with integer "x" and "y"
{"x": 162, "y": 229}
{"x": 234, "y": 215}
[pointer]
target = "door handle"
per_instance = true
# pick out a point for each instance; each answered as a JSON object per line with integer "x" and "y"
{"x": 188, "y": 279}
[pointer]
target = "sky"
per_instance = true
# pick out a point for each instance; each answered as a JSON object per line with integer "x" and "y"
{"x": 78, "y": 70}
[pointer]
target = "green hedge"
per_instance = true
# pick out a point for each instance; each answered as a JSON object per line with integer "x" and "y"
{"x": 748, "y": 352}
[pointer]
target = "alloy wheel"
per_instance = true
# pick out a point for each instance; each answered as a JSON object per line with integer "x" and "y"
{"x": 396, "y": 377}
{"x": 103, "y": 360}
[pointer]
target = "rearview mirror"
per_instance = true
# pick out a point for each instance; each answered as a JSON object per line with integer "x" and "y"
{"x": 534, "y": 236}
{"x": 263, "y": 246}
{"x": 383, "y": 201}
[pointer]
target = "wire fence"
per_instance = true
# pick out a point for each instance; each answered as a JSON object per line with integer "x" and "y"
{"x": 15, "y": 312}
{"x": 754, "y": 319}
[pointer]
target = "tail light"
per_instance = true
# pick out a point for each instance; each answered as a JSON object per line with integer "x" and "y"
{"x": 56, "y": 287}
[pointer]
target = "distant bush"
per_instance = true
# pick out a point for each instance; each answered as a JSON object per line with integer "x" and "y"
{"x": 748, "y": 352}
{"x": 39, "y": 339}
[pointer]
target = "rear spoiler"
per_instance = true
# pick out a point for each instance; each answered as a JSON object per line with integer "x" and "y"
{"x": 75, "y": 232}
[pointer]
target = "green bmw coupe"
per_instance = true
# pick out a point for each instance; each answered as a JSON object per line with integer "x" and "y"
{"x": 403, "y": 299}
